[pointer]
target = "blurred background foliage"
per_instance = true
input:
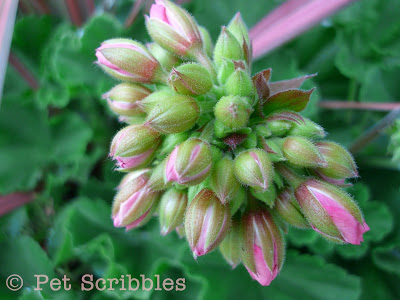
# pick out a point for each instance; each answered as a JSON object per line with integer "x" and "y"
{"x": 54, "y": 139}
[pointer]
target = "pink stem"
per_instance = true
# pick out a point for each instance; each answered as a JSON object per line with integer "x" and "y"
{"x": 281, "y": 11}
{"x": 74, "y": 13}
{"x": 378, "y": 106}
{"x": 23, "y": 71}
{"x": 133, "y": 13}
{"x": 41, "y": 6}
{"x": 282, "y": 28}
{"x": 12, "y": 201}
{"x": 90, "y": 6}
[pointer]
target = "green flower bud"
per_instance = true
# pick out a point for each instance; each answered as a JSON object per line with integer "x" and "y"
{"x": 190, "y": 162}
{"x": 223, "y": 180}
{"x": 253, "y": 168}
{"x": 122, "y": 99}
{"x": 227, "y": 47}
{"x": 207, "y": 41}
{"x": 310, "y": 129}
{"x": 230, "y": 246}
{"x": 289, "y": 210}
{"x": 179, "y": 113}
{"x": 302, "y": 153}
{"x": 233, "y": 111}
{"x": 165, "y": 58}
{"x": 340, "y": 163}
{"x": 238, "y": 200}
{"x": 172, "y": 209}
{"x": 171, "y": 141}
{"x": 268, "y": 196}
{"x": 225, "y": 70}
{"x": 273, "y": 147}
{"x": 239, "y": 83}
{"x": 279, "y": 127}
{"x": 239, "y": 29}
{"x": 207, "y": 222}
{"x": 190, "y": 79}
{"x": 157, "y": 181}
{"x": 134, "y": 147}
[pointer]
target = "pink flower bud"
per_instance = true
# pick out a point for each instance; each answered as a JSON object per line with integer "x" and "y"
{"x": 253, "y": 168}
{"x": 134, "y": 202}
{"x": 207, "y": 222}
{"x": 331, "y": 212}
{"x": 123, "y": 99}
{"x": 172, "y": 209}
{"x": 263, "y": 246}
{"x": 173, "y": 28}
{"x": 189, "y": 163}
{"x": 301, "y": 152}
{"x": 134, "y": 147}
{"x": 128, "y": 60}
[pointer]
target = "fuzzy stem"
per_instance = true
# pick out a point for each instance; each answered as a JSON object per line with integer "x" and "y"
{"x": 368, "y": 136}
{"x": 377, "y": 106}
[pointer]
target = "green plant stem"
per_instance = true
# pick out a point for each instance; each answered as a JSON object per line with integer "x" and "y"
{"x": 368, "y": 136}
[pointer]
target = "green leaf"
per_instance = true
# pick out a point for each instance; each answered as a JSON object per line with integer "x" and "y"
{"x": 300, "y": 278}
{"x": 387, "y": 258}
{"x": 295, "y": 100}
{"x": 23, "y": 148}
{"x": 25, "y": 257}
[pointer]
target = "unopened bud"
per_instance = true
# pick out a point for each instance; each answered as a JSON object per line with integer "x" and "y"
{"x": 233, "y": 111}
{"x": 273, "y": 146}
{"x": 207, "y": 222}
{"x": 130, "y": 61}
{"x": 225, "y": 70}
{"x": 289, "y": 210}
{"x": 309, "y": 130}
{"x": 239, "y": 29}
{"x": 157, "y": 180}
{"x": 189, "y": 163}
{"x": 122, "y": 99}
{"x": 171, "y": 141}
{"x": 230, "y": 246}
{"x": 239, "y": 83}
{"x": 190, "y": 79}
{"x": 253, "y": 168}
{"x": 331, "y": 212}
{"x": 164, "y": 57}
{"x": 227, "y": 47}
{"x": 223, "y": 180}
{"x": 207, "y": 41}
{"x": 173, "y": 28}
{"x": 179, "y": 113}
{"x": 172, "y": 209}
{"x": 279, "y": 127}
{"x": 263, "y": 246}
{"x": 301, "y": 152}
{"x": 340, "y": 163}
{"x": 134, "y": 147}
{"x": 134, "y": 201}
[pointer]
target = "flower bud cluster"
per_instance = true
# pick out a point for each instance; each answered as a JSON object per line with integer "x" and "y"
{"x": 221, "y": 157}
